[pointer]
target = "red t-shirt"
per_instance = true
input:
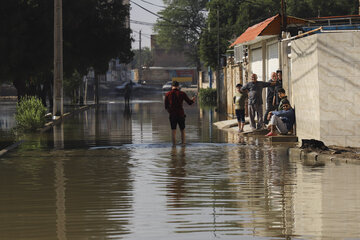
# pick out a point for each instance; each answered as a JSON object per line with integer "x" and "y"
{"x": 174, "y": 102}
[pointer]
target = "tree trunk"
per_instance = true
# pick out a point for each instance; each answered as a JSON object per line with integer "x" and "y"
{"x": 19, "y": 84}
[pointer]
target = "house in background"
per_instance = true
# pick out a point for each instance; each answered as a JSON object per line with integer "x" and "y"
{"x": 169, "y": 65}
{"x": 118, "y": 71}
{"x": 258, "y": 50}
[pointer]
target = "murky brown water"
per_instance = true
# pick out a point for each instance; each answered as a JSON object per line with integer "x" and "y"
{"x": 112, "y": 174}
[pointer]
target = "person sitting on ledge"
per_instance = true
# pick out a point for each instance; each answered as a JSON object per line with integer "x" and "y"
{"x": 282, "y": 97}
{"x": 283, "y": 120}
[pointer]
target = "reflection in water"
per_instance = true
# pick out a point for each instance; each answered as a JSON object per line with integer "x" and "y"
{"x": 60, "y": 184}
{"x": 60, "y": 200}
{"x": 111, "y": 173}
{"x": 177, "y": 174}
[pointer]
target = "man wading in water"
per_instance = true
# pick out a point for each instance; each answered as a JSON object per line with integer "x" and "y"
{"x": 174, "y": 105}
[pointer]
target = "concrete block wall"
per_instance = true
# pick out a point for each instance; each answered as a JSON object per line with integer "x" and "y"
{"x": 305, "y": 87}
{"x": 326, "y": 87}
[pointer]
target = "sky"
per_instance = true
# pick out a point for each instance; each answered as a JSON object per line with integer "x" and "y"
{"x": 139, "y": 14}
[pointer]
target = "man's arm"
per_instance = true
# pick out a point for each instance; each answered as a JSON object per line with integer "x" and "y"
{"x": 284, "y": 113}
{"x": 245, "y": 87}
{"x": 268, "y": 84}
{"x": 187, "y": 99}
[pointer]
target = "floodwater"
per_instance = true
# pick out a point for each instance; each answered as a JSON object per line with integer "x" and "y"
{"x": 111, "y": 173}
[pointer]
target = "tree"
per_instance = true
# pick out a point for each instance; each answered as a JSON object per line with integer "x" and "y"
{"x": 146, "y": 58}
{"x": 234, "y": 18}
{"x": 322, "y": 8}
{"x": 94, "y": 32}
{"x": 180, "y": 27}
{"x": 237, "y": 15}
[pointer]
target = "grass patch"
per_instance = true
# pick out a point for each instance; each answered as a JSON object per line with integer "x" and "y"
{"x": 30, "y": 114}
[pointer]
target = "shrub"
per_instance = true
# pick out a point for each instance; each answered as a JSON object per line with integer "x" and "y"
{"x": 207, "y": 96}
{"x": 30, "y": 113}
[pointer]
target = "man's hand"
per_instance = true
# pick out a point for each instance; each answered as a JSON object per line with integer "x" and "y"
{"x": 193, "y": 98}
{"x": 269, "y": 115}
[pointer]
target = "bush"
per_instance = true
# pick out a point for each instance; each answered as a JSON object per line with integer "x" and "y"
{"x": 207, "y": 96}
{"x": 30, "y": 113}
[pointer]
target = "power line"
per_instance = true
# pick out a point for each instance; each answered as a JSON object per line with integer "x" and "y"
{"x": 145, "y": 34}
{"x": 157, "y": 15}
{"x": 150, "y": 24}
{"x": 142, "y": 23}
{"x": 153, "y": 4}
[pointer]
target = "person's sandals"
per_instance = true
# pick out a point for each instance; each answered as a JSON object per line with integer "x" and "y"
{"x": 270, "y": 134}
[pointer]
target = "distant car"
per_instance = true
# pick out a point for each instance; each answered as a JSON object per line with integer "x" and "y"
{"x": 167, "y": 86}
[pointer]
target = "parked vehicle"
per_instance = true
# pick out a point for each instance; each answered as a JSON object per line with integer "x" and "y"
{"x": 167, "y": 86}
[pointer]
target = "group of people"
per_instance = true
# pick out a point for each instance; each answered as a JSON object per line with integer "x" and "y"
{"x": 279, "y": 114}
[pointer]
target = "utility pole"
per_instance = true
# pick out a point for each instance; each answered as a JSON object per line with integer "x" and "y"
{"x": 58, "y": 105}
{"x": 140, "y": 60}
{"x": 218, "y": 90}
{"x": 283, "y": 16}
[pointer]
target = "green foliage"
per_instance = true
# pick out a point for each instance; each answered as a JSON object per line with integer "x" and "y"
{"x": 180, "y": 27}
{"x": 30, "y": 113}
{"x": 237, "y": 15}
{"x": 321, "y": 8}
{"x": 146, "y": 58}
{"x": 94, "y": 31}
{"x": 72, "y": 84}
{"x": 207, "y": 96}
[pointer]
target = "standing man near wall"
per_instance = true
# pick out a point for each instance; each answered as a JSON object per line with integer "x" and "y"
{"x": 255, "y": 102}
{"x": 278, "y": 85}
{"x": 174, "y": 105}
{"x": 272, "y": 98}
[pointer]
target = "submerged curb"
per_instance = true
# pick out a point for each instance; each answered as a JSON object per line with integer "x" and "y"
{"x": 11, "y": 147}
{"x": 320, "y": 158}
{"x": 47, "y": 127}
{"x": 65, "y": 115}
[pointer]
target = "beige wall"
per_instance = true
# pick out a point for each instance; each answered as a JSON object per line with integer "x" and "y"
{"x": 232, "y": 76}
{"x": 326, "y": 87}
{"x": 305, "y": 87}
{"x": 155, "y": 76}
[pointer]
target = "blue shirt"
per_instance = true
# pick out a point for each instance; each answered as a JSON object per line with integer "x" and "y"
{"x": 287, "y": 116}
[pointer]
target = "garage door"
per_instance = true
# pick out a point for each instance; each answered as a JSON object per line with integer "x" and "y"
{"x": 272, "y": 59}
{"x": 256, "y": 62}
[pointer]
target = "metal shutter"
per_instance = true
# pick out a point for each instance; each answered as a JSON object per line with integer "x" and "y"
{"x": 256, "y": 63}
{"x": 272, "y": 61}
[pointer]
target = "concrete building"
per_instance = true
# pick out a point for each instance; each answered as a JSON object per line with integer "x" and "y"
{"x": 168, "y": 65}
{"x": 320, "y": 73}
{"x": 325, "y": 86}
{"x": 118, "y": 71}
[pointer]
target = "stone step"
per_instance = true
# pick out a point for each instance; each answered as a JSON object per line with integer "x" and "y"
{"x": 284, "y": 138}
